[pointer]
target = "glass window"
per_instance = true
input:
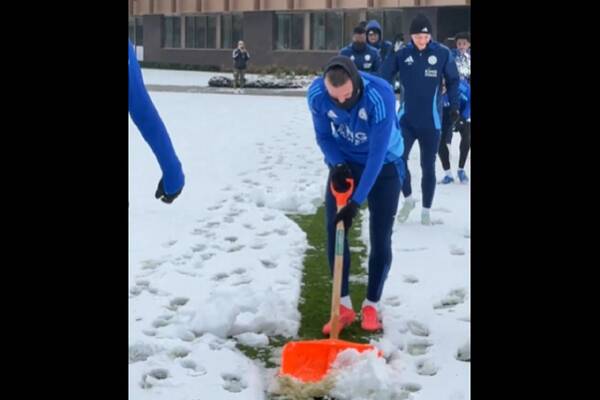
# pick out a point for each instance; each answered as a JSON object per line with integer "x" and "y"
{"x": 289, "y": 31}
{"x": 226, "y": 31}
{"x": 327, "y": 30}
{"x": 139, "y": 31}
{"x": 132, "y": 29}
{"x": 238, "y": 29}
{"x": 211, "y": 32}
{"x": 392, "y": 24}
{"x": 317, "y": 30}
{"x": 333, "y": 30}
{"x": 351, "y": 20}
{"x": 283, "y": 29}
{"x": 376, "y": 15}
{"x": 172, "y": 32}
{"x": 298, "y": 31}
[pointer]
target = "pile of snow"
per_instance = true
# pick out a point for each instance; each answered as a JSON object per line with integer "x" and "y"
{"x": 223, "y": 264}
{"x": 203, "y": 78}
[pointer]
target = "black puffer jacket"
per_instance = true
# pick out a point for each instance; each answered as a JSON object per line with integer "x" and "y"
{"x": 240, "y": 58}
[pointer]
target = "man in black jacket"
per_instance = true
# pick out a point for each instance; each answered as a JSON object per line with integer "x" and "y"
{"x": 240, "y": 62}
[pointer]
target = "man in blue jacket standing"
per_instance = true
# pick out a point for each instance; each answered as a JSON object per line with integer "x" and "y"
{"x": 422, "y": 65}
{"x": 365, "y": 57}
{"x": 146, "y": 118}
{"x": 356, "y": 128}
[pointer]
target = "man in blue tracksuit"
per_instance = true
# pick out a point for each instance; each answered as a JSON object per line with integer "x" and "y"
{"x": 463, "y": 126}
{"x": 462, "y": 55}
{"x": 365, "y": 57}
{"x": 422, "y": 65}
{"x": 375, "y": 39}
{"x": 357, "y": 130}
{"x": 146, "y": 118}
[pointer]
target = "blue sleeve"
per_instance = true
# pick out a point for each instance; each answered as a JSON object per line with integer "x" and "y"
{"x": 384, "y": 118}
{"x": 377, "y": 64}
{"x": 466, "y": 97}
{"x": 345, "y": 52}
{"x": 322, "y": 126}
{"x": 146, "y": 118}
{"x": 389, "y": 50}
{"x": 452, "y": 81}
{"x": 390, "y": 67}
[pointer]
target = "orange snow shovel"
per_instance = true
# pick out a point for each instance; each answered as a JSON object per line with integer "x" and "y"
{"x": 310, "y": 360}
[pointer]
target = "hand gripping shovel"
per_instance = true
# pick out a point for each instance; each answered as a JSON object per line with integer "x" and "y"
{"x": 310, "y": 360}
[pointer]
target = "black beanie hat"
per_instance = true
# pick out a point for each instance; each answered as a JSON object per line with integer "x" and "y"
{"x": 359, "y": 30}
{"x": 463, "y": 35}
{"x": 420, "y": 25}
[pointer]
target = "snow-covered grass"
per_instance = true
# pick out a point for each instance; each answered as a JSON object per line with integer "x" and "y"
{"x": 222, "y": 265}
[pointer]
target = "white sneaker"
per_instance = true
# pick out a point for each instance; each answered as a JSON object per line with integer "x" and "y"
{"x": 425, "y": 218}
{"x": 407, "y": 207}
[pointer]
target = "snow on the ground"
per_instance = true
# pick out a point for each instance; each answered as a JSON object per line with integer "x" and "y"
{"x": 426, "y": 304}
{"x": 223, "y": 264}
{"x": 177, "y": 77}
{"x": 200, "y": 78}
{"x": 223, "y": 260}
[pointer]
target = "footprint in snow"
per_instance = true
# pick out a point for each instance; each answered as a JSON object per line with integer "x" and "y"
{"x": 417, "y": 328}
{"x": 456, "y": 296}
{"x": 410, "y": 279}
{"x": 456, "y": 251}
{"x": 426, "y": 367}
{"x": 233, "y": 383}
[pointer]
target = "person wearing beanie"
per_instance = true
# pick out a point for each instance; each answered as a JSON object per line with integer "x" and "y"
{"x": 365, "y": 57}
{"x": 358, "y": 133}
{"x": 422, "y": 65}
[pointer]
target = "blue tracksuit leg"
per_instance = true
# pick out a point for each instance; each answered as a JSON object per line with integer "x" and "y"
{"x": 383, "y": 204}
{"x": 429, "y": 143}
{"x": 409, "y": 137}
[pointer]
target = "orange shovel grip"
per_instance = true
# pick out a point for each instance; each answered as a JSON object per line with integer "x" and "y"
{"x": 341, "y": 198}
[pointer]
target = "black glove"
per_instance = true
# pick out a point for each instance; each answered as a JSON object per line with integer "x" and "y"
{"x": 347, "y": 213}
{"x": 338, "y": 176}
{"x": 166, "y": 198}
{"x": 454, "y": 116}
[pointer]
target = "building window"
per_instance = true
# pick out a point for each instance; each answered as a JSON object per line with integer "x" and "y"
{"x": 172, "y": 32}
{"x": 211, "y": 33}
{"x": 392, "y": 24}
{"x": 132, "y": 29}
{"x": 197, "y": 32}
{"x": 289, "y": 31}
{"x": 390, "y": 21}
{"x": 452, "y": 20}
{"x": 376, "y": 15}
{"x": 139, "y": 31}
{"x": 326, "y": 30}
{"x": 231, "y": 30}
{"x": 351, "y": 20}
{"x": 136, "y": 31}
